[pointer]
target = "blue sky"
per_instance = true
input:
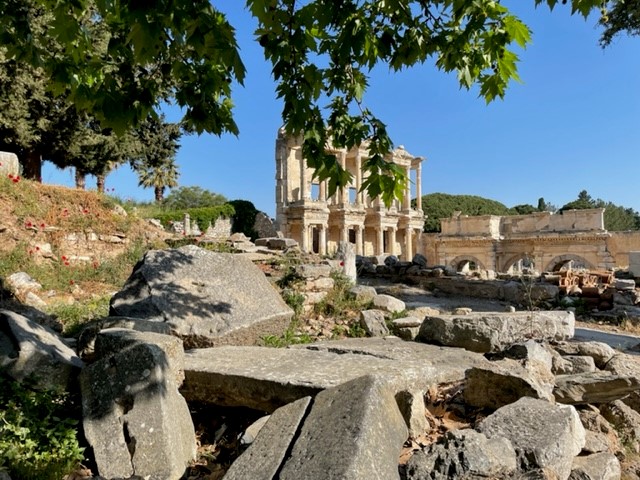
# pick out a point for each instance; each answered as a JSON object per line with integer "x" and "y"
{"x": 572, "y": 124}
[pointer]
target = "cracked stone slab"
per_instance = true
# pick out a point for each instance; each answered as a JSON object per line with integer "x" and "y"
{"x": 594, "y": 387}
{"x": 207, "y": 298}
{"x": 267, "y": 378}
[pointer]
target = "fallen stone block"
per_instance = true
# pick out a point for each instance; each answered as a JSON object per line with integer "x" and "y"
{"x": 504, "y": 382}
{"x": 353, "y": 431}
{"x": 267, "y": 378}
{"x": 601, "y": 436}
{"x": 207, "y": 298}
{"x": 264, "y": 458}
{"x": 133, "y": 416}
{"x": 412, "y": 408}
{"x": 600, "y": 352}
{"x": 388, "y": 303}
{"x": 362, "y": 293}
{"x": 544, "y": 435}
{"x": 463, "y": 454}
{"x": 580, "y": 364}
{"x": 491, "y": 332}
{"x": 30, "y": 350}
{"x": 406, "y": 322}
{"x": 626, "y": 420}
{"x": 595, "y": 387}
{"x": 374, "y": 323}
{"x": 599, "y": 466}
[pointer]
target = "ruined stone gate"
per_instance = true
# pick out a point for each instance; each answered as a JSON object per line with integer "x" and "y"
{"x": 542, "y": 241}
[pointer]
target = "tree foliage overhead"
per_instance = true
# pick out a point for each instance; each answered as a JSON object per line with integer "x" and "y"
{"x": 616, "y": 217}
{"x": 618, "y": 17}
{"x": 186, "y": 52}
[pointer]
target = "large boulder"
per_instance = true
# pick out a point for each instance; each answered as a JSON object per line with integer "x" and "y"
{"x": 491, "y": 332}
{"x": 134, "y": 418}
{"x": 544, "y": 435}
{"x": 207, "y": 298}
{"x": 463, "y": 454}
{"x": 267, "y": 378}
{"x": 28, "y": 349}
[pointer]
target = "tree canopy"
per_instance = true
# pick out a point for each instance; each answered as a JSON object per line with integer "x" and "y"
{"x": 183, "y": 198}
{"x": 443, "y": 205}
{"x": 185, "y": 51}
{"x": 616, "y": 217}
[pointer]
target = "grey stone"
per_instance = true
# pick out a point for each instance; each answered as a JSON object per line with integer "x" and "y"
{"x": 544, "y": 435}
{"x": 134, "y": 418}
{"x": 362, "y": 293}
{"x": 389, "y": 303}
{"x": 504, "y": 382}
{"x": 530, "y": 352}
{"x": 353, "y": 431}
{"x": 313, "y": 271}
{"x": 463, "y": 454}
{"x": 267, "y": 378}
{"x": 28, "y": 349}
{"x": 422, "y": 312}
{"x": 207, "y": 298}
{"x": 391, "y": 260}
{"x": 462, "y": 311}
{"x": 112, "y": 340}
{"x": 420, "y": 260}
{"x": 264, "y": 458}
{"x": 407, "y": 333}
{"x": 33, "y": 300}
{"x": 524, "y": 294}
{"x": 20, "y": 283}
{"x": 251, "y": 432}
{"x": 601, "y": 436}
{"x": 412, "y": 408}
{"x": 281, "y": 243}
{"x": 594, "y": 387}
{"x": 624, "y": 284}
{"x": 406, "y": 322}
{"x": 600, "y": 352}
{"x": 599, "y": 466}
{"x": 623, "y": 298}
{"x": 581, "y": 364}
{"x": 373, "y": 322}
{"x": 491, "y": 332}
{"x": 626, "y": 420}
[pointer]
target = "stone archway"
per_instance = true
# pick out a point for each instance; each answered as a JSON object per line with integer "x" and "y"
{"x": 561, "y": 260}
{"x": 466, "y": 263}
{"x": 518, "y": 263}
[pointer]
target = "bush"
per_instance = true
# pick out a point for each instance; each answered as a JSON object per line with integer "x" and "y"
{"x": 38, "y": 432}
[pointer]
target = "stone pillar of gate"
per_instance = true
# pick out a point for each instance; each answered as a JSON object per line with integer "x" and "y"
{"x": 359, "y": 240}
{"x": 322, "y": 240}
{"x": 408, "y": 244}
{"x": 392, "y": 241}
{"x": 379, "y": 241}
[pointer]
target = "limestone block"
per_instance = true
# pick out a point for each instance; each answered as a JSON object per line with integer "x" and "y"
{"x": 599, "y": 466}
{"x": 600, "y": 352}
{"x": 9, "y": 164}
{"x": 491, "y": 332}
{"x": 207, "y": 298}
{"x": 466, "y": 454}
{"x": 374, "y": 323}
{"x": 20, "y": 283}
{"x": 134, "y": 418}
{"x": 407, "y": 322}
{"x": 263, "y": 459}
{"x": 28, "y": 349}
{"x": 544, "y": 435}
{"x": 388, "y": 303}
{"x": 362, "y": 292}
{"x": 626, "y": 420}
{"x": 594, "y": 387}
{"x": 624, "y": 284}
{"x": 420, "y": 260}
{"x": 313, "y": 271}
{"x": 353, "y": 431}
{"x": 412, "y": 408}
{"x": 581, "y": 363}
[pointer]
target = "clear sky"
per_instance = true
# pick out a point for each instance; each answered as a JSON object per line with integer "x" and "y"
{"x": 572, "y": 124}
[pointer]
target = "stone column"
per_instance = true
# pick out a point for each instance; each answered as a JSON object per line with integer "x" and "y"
{"x": 322, "y": 194}
{"x": 392, "y": 241}
{"x": 408, "y": 244}
{"x": 344, "y": 233}
{"x": 358, "y": 178}
{"x": 303, "y": 178}
{"x": 359, "y": 240}
{"x": 419, "y": 187}
{"x": 406, "y": 201}
{"x": 322, "y": 240}
{"x": 380, "y": 241}
{"x": 344, "y": 198}
{"x": 305, "y": 237}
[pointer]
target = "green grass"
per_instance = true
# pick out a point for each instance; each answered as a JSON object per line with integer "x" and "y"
{"x": 75, "y": 316}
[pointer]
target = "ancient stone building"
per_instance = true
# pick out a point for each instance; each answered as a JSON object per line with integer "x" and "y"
{"x": 305, "y": 212}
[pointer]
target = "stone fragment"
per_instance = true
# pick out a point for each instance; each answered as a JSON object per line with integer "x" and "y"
{"x": 251, "y": 432}
{"x": 491, "y": 332}
{"x": 207, "y": 298}
{"x": 134, "y": 418}
{"x": 412, "y": 408}
{"x": 529, "y": 294}
{"x": 462, "y": 311}
{"x": 19, "y": 283}
{"x": 33, "y": 300}
{"x": 601, "y": 436}
{"x": 504, "y": 382}
{"x": 624, "y": 284}
{"x": 594, "y": 387}
{"x": 625, "y": 365}
{"x": 421, "y": 312}
{"x": 28, "y": 349}
{"x": 267, "y": 378}
{"x": 600, "y": 352}
{"x": 313, "y": 271}
{"x": 362, "y": 293}
{"x": 116, "y": 339}
{"x": 406, "y": 322}
{"x": 544, "y": 435}
{"x": 463, "y": 454}
{"x": 388, "y": 303}
{"x": 580, "y": 364}
{"x": 263, "y": 459}
{"x": 599, "y": 466}
{"x": 529, "y": 352}
{"x": 373, "y": 322}
{"x": 353, "y": 431}
{"x": 9, "y": 164}
{"x": 347, "y": 255}
{"x": 419, "y": 260}
{"x": 626, "y": 420}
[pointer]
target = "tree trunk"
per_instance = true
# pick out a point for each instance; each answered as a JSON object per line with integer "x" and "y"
{"x": 159, "y": 191}
{"x": 100, "y": 183}
{"x": 32, "y": 166}
{"x": 81, "y": 181}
